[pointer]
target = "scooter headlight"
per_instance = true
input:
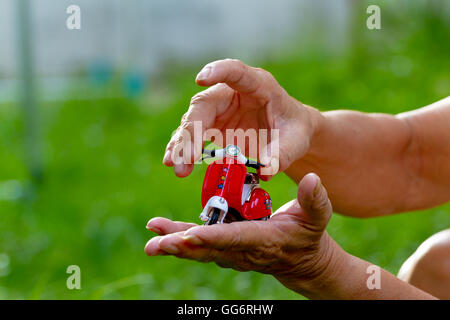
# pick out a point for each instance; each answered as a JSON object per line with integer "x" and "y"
{"x": 232, "y": 150}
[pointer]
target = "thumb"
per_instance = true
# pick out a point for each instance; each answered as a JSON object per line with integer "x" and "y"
{"x": 313, "y": 200}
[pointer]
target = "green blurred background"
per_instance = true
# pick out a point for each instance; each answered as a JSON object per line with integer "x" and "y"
{"x": 81, "y": 173}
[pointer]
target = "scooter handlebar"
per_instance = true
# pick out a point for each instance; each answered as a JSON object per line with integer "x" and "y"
{"x": 211, "y": 153}
{"x": 256, "y": 165}
{"x": 220, "y": 153}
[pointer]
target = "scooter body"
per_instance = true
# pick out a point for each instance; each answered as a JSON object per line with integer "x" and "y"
{"x": 230, "y": 191}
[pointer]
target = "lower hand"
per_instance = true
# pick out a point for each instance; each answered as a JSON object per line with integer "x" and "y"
{"x": 293, "y": 245}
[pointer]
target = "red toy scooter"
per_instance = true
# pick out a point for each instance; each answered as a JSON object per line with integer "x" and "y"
{"x": 230, "y": 193}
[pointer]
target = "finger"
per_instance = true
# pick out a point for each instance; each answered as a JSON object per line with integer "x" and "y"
{"x": 177, "y": 148}
{"x": 152, "y": 247}
{"x": 313, "y": 199}
{"x": 238, "y": 76}
{"x": 240, "y": 235}
{"x": 186, "y": 145}
{"x": 163, "y": 226}
{"x": 176, "y": 244}
{"x": 169, "y": 244}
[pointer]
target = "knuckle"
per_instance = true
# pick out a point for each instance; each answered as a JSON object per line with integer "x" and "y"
{"x": 209, "y": 256}
{"x": 236, "y": 61}
{"x": 184, "y": 117}
{"x": 266, "y": 75}
{"x": 269, "y": 82}
{"x": 240, "y": 64}
{"x": 178, "y": 139}
{"x": 199, "y": 98}
{"x": 262, "y": 72}
{"x": 278, "y": 94}
{"x": 186, "y": 123}
{"x": 240, "y": 69}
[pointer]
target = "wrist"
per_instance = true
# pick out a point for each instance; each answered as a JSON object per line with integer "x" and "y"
{"x": 309, "y": 118}
{"x": 318, "y": 127}
{"x": 307, "y": 125}
{"x": 324, "y": 280}
{"x": 328, "y": 283}
{"x": 316, "y": 144}
{"x": 316, "y": 120}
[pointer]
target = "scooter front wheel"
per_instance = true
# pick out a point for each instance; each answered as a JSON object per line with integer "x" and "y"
{"x": 214, "y": 217}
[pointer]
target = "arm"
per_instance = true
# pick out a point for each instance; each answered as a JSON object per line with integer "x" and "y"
{"x": 394, "y": 163}
{"x": 346, "y": 279}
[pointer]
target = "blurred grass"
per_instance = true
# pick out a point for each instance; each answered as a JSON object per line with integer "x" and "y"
{"x": 104, "y": 180}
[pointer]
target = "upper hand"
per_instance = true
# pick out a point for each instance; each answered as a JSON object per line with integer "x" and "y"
{"x": 243, "y": 97}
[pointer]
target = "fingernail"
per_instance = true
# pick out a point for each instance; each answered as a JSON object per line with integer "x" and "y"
{"x": 170, "y": 248}
{"x": 154, "y": 229}
{"x": 318, "y": 186}
{"x": 204, "y": 73}
{"x": 192, "y": 240}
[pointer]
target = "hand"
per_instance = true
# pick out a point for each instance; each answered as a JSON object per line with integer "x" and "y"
{"x": 293, "y": 245}
{"x": 242, "y": 97}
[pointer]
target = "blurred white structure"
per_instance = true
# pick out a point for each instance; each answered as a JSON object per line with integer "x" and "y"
{"x": 143, "y": 32}
{"x": 140, "y": 34}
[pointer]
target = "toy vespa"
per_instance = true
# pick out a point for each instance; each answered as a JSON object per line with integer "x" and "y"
{"x": 230, "y": 193}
